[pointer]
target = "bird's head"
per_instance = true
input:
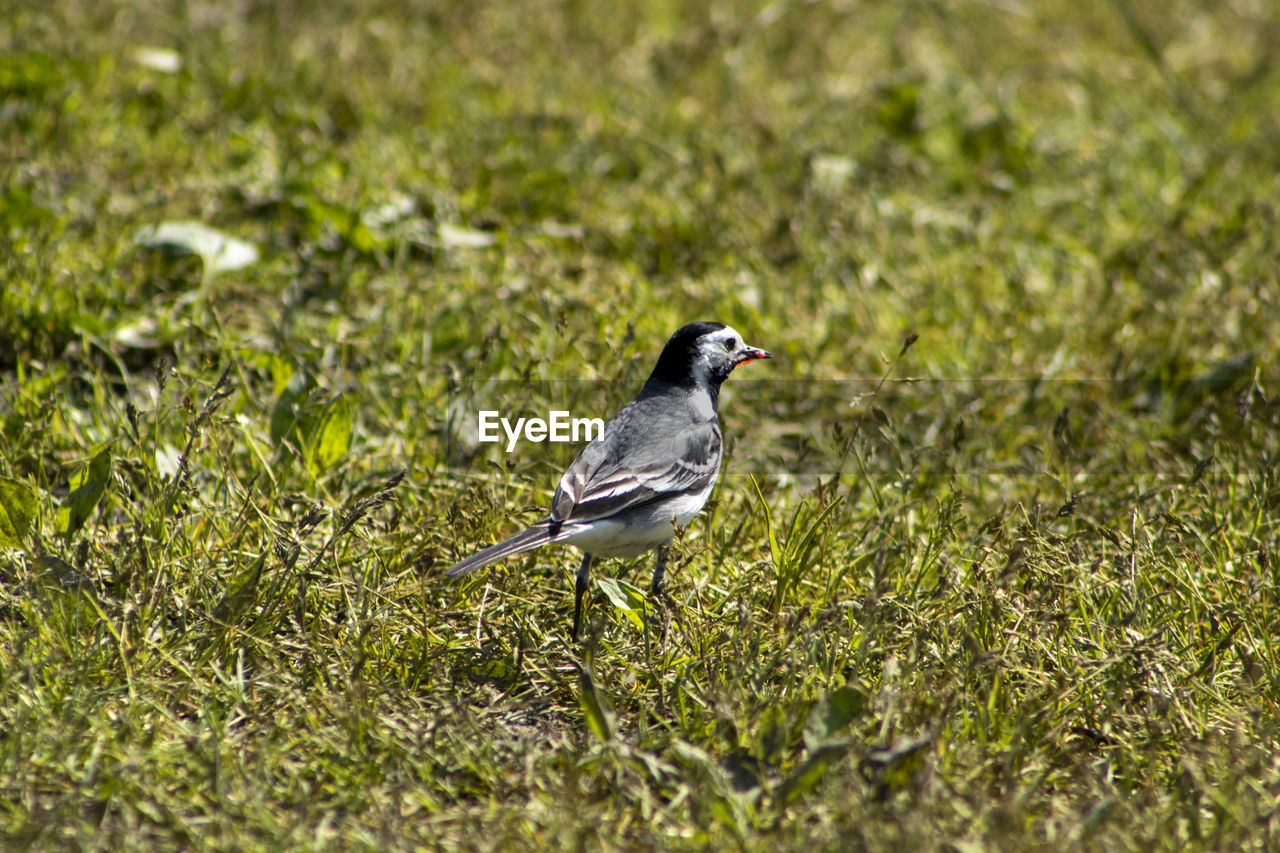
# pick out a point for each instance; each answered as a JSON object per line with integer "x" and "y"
{"x": 703, "y": 353}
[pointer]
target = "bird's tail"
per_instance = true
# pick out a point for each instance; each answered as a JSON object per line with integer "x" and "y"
{"x": 527, "y": 540}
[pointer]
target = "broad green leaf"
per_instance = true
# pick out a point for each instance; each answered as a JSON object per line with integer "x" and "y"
{"x": 722, "y": 809}
{"x": 333, "y": 435}
{"x": 900, "y": 753}
{"x": 896, "y": 766}
{"x": 691, "y": 755}
{"x": 626, "y": 598}
{"x": 830, "y": 715}
{"x": 287, "y": 415}
{"x": 87, "y": 488}
{"x": 772, "y": 738}
{"x": 337, "y": 219}
{"x": 810, "y": 773}
{"x": 67, "y": 575}
{"x": 596, "y": 709}
{"x": 219, "y": 252}
{"x": 17, "y": 508}
{"x": 282, "y": 372}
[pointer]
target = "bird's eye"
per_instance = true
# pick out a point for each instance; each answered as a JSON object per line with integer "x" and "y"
{"x": 731, "y": 344}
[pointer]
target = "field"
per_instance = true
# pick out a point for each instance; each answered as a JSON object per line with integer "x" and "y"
{"x": 994, "y": 561}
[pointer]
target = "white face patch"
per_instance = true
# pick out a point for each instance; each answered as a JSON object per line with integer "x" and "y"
{"x": 715, "y": 357}
{"x": 727, "y": 339}
{"x": 716, "y": 352}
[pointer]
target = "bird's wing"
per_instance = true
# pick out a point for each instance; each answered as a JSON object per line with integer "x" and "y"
{"x": 610, "y": 477}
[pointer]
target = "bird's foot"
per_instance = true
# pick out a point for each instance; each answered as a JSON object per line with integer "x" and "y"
{"x": 665, "y": 605}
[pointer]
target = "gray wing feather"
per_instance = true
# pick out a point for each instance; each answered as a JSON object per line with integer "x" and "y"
{"x": 633, "y": 466}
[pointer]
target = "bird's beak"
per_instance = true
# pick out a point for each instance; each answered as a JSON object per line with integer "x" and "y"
{"x": 750, "y": 354}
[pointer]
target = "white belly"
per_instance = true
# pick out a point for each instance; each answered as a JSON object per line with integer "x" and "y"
{"x": 638, "y": 531}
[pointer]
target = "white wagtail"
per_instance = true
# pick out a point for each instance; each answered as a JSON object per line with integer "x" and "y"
{"x": 653, "y": 468}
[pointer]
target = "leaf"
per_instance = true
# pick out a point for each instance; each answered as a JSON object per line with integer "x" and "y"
{"x": 453, "y": 236}
{"x": 659, "y": 771}
{"x": 67, "y": 575}
{"x": 625, "y": 597}
{"x": 895, "y": 767}
{"x": 87, "y": 487}
{"x": 810, "y": 773}
{"x": 17, "y": 508}
{"x": 599, "y": 715}
{"x": 333, "y": 435}
{"x": 829, "y": 716}
{"x": 810, "y": 538}
{"x": 219, "y": 252}
{"x": 772, "y": 738}
{"x": 775, "y": 552}
{"x": 699, "y": 761}
{"x": 286, "y": 416}
{"x": 338, "y": 220}
{"x": 282, "y": 372}
{"x": 791, "y": 557}
{"x": 160, "y": 59}
{"x": 831, "y": 172}
{"x": 897, "y": 755}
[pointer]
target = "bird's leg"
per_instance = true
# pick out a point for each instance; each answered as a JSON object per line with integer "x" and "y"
{"x": 660, "y": 572}
{"x": 659, "y": 592}
{"x": 579, "y": 588}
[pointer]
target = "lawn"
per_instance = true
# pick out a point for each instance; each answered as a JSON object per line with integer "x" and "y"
{"x": 994, "y": 560}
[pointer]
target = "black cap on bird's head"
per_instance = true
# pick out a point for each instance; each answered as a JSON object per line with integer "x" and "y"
{"x": 703, "y": 352}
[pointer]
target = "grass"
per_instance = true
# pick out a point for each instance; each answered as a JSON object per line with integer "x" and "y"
{"x": 1010, "y": 585}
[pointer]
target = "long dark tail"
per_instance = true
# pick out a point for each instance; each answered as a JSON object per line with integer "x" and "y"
{"x": 534, "y": 537}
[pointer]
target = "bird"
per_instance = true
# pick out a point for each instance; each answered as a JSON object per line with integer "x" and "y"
{"x": 653, "y": 467}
